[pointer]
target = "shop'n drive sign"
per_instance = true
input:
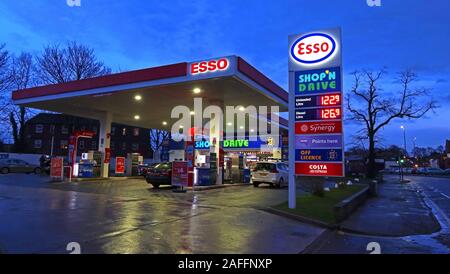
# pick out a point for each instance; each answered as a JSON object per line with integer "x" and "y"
{"x": 209, "y": 66}
{"x": 315, "y": 90}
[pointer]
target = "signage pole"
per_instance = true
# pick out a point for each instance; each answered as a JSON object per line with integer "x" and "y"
{"x": 291, "y": 142}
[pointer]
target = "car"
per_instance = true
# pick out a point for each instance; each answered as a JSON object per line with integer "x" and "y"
{"x": 447, "y": 171}
{"x": 422, "y": 170}
{"x": 408, "y": 170}
{"x": 143, "y": 169}
{"x": 434, "y": 171}
{"x": 18, "y": 166}
{"x": 272, "y": 173}
{"x": 160, "y": 174}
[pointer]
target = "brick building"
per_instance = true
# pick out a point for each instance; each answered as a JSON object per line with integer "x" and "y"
{"x": 40, "y": 129}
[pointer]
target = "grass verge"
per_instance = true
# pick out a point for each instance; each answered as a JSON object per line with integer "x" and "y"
{"x": 320, "y": 208}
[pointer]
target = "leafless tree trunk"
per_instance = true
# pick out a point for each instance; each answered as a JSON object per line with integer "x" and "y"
{"x": 368, "y": 105}
{"x": 74, "y": 61}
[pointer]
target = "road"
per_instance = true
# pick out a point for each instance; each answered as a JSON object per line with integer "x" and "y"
{"x": 438, "y": 191}
{"x": 400, "y": 208}
{"x": 128, "y": 216}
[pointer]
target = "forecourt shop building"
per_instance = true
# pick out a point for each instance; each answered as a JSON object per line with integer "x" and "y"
{"x": 145, "y": 98}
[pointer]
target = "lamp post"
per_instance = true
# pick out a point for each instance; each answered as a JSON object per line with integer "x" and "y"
{"x": 404, "y": 139}
{"x": 401, "y": 162}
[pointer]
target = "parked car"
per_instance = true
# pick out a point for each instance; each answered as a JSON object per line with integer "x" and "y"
{"x": 422, "y": 170}
{"x": 274, "y": 174}
{"x": 447, "y": 171}
{"x": 145, "y": 168}
{"x": 434, "y": 171}
{"x": 160, "y": 174}
{"x": 408, "y": 170}
{"x": 17, "y": 166}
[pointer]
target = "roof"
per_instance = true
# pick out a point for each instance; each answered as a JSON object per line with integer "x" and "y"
{"x": 161, "y": 88}
{"x": 148, "y": 74}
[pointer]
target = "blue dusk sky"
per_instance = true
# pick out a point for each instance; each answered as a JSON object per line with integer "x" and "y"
{"x": 136, "y": 34}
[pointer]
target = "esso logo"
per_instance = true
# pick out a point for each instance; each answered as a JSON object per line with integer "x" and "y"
{"x": 313, "y": 48}
{"x": 209, "y": 66}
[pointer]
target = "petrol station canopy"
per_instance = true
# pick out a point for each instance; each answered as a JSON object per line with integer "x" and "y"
{"x": 145, "y": 98}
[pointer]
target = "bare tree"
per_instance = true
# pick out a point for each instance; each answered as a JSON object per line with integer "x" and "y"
{"x": 157, "y": 137}
{"x": 22, "y": 76}
{"x": 368, "y": 105}
{"x": 74, "y": 61}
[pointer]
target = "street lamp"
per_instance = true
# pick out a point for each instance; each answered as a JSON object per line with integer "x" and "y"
{"x": 404, "y": 139}
{"x": 401, "y": 162}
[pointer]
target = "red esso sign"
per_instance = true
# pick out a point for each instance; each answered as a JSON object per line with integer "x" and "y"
{"x": 209, "y": 66}
{"x": 313, "y": 48}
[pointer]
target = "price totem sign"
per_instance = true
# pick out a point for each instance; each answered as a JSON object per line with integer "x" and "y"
{"x": 316, "y": 146}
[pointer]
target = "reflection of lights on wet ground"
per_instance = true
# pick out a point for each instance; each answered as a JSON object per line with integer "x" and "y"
{"x": 194, "y": 202}
{"x": 73, "y": 199}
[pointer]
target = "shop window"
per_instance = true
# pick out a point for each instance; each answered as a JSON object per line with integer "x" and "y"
{"x": 64, "y": 129}
{"x": 81, "y": 144}
{"x": 52, "y": 129}
{"x": 135, "y": 147}
{"x": 64, "y": 144}
{"x": 124, "y": 146}
{"x": 124, "y": 131}
{"x": 37, "y": 143}
{"x": 113, "y": 131}
{"x": 94, "y": 145}
{"x": 95, "y": 129}
{"x": 39, "y": 128}
{"x": 112, "y": 144}
{"x": 135, "y": 131}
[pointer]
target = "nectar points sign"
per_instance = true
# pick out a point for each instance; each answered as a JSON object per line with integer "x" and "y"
{"x": 316, "y": 145}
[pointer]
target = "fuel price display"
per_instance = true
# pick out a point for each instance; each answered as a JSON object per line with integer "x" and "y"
{"x": 327, "y": 113}
{"x": 333, "y": 99}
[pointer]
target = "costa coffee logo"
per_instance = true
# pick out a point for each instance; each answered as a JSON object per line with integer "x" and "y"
{"x": 313, "y": 48}
{"x": 209, "y": 66}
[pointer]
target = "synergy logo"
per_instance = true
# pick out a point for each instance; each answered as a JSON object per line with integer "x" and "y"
{"x": 318, "y": 127}
{"x": 313, "y": 48}
{"x": 209, "y": 66}
{"x": 318, "y": 80}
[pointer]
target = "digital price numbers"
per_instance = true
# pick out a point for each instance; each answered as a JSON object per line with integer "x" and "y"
{"x": 330, "y": 100}
{"x": 330, "y": 113}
